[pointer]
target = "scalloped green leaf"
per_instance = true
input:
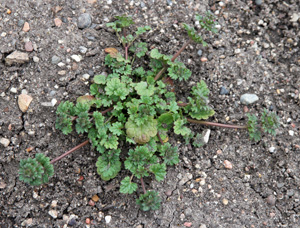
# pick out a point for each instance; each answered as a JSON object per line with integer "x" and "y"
{"x": 143, "y": 133}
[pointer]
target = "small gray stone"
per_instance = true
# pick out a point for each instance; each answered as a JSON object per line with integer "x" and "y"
{"x": 21, "y": 23}
{"x": 290, "y": 192}
{"x": 271, "y": 200}
{"x": 5, "y": 142}
{"x": 223, "y": 91}
{"x": 199, "y": 52}
{"x": 84, "y": 21}
{"x": 248, "y": 98}
{"x": 202, "y": 226}
{"x": 143, "y": 5}
{"x": 52, "y": 93}
{"x": 258, "y": 2}
{"x": 169, "y": 2}
{"x": 91, "y": 73}
{"x": 82, "y": 49}
{"x": 55, "y": 59}
{"x": 280, "y": 185}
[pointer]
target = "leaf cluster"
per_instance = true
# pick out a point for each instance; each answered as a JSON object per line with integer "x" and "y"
{"x": 36, "y": 171}
{"x": 268, "y": 123}
{"x": 207, "y": 22}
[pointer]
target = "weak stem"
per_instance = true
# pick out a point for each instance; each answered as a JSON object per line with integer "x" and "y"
{"x": 181, "y": 50}
{"x": 216, "y": 124}
{"x": 143, "y": 186}
{"x": 161, "y": 141}
{"x": 126, "y": 52}
{"x": 70, "y": 151}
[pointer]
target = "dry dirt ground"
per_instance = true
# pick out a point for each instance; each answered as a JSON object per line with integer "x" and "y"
{"x": 256, "y": 51}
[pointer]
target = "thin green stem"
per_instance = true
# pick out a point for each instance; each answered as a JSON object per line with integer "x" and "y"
{"x": 216, "y": 124}
{"x": 70, "y": 151}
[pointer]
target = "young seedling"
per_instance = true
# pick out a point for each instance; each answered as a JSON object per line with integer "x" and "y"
{"x": 135, "y": 104}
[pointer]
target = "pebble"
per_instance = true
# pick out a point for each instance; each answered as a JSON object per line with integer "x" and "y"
{"x": 258, "y": 2}
{"x": 26, "y": 27}
{"x": 248, "y": 98}
{"x": 53, "y": 203}
{"x": 82, "y": 49}
{"x": 206, "y": 134}
{"x": 187, "y": 224}
{"x": 225, "y": 201}
{"x": 55, "y": 59}
{"x": 53, "y": 102}
{"x": 203, "y": 59}
{"x": 53, "y": 213}
{"x": 36, "y": 59}
{"x": 61, "y": 64}
{"x": 291, "y": 133}
{"x": 272, "y": 149}
{"x": 77, "y": 58}
{"x": 169, "y": 2}
{"x": 237, "y": 51}
{"x": 24, "y": 101}
{"x": 5, "y": 142}
{"x": 17, "y": 57}
{"x": 21, "y": 23}
{"x": 13, "y": 90}
{"x": 27, "y": 222}
{"x": 202, "y": 226}
{"x": 62, "y": 72}
{"x": 271, "y": 200}
{"x": 86, "y": 76}
{"x": 223, "y": 91}
{"x": 28, "y": 46}
{"x": 199, "y": 52}
{"x": 290, "y": 192}
{"x": 185, "y": 178}
{"x": 72, "y": 222}
{"x": 107, "y": 219}
{"x": 88, "y": 221}
{"x": 227, "y": 164}
{"x": 84, "y": 21}
{"x": 95, "y": 198}
{"x": 91, "y": 73}
{"x": 57, "y": 22}
{"x": 168, "y": 192}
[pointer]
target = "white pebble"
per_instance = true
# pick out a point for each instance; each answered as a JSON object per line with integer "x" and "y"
{"x": 13, "y": 90}
{"x": 272, "y": 149}
{"x": 5, "y": 142}
{"x": 86, "y": 76}
{"x": 54, "y": 203}
{"x": 291, "y": 133}
{"x": 107, "y": 219}
{"x": 53, "y": 213}
{"x": 77, "y": 58}
{"x": 36, "y": 59}
{"x": 53, "y": 102}
{"x": 61, "y": 64}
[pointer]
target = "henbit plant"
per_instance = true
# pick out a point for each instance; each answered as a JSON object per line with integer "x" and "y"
{"x": 139, "y": 107}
